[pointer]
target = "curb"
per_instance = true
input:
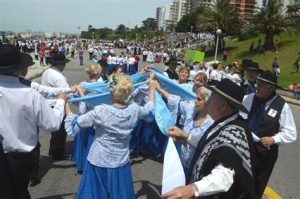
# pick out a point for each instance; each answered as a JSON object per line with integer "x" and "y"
{"x": 291, "y": 100}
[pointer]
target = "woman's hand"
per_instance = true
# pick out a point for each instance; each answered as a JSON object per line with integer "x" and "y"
{"x": 79, "y": 90}
{"x": 152, "y": 76}
{"x": 177, "y": 134}
{"x": 152, "y": 85}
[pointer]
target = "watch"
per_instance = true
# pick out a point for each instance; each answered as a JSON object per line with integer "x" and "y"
{"x": 196, "y": 190}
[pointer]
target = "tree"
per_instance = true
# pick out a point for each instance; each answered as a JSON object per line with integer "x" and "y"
{"x": 188, "y": 21}
{"x": 270, "y": 20}
{"x": 90, "y": 28}
{"x": 121, "y": 29}
{"x": 150, "y": 24}
{"x": 219, "y": 15}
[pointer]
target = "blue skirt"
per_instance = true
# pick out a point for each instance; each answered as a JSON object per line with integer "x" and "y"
{"x": 147, "y": 137}
{"x": 81, "y": 146}
{"x": 124, "y": 68}
{"x": 131, "y": 69}
{"x": 110, "y": 68}
{"x": 106, "y": 183}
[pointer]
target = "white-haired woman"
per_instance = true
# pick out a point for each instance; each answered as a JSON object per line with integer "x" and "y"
{"x": 83, "y": 140}
{"x": 108, "y": 173}
{"x": 196, "y": 118}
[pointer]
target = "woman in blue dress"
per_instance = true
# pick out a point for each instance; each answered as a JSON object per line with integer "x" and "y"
{"x": 108, "y": 172}
{"x": 84, "y": 139}
{"x": 194, "y": 116}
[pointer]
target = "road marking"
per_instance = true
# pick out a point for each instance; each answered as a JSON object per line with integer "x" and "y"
{"x": 271, "y": 194}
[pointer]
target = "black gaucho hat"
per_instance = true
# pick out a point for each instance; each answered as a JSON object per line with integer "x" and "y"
{"x": 268, "y": 77}
{"x": 58, "y": 59}
{"x": 11, "y": 59}
{"x": 232, "y": 92}
{"x": 253, "y": 66}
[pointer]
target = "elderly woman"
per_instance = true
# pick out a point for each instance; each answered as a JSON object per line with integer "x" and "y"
{"x": 184, "y": 74}
{"x": 196, "y": 118}
{"x": 200, "y": 80}
{"x": 83, "y": 139}
{"x": 108, "y": 173}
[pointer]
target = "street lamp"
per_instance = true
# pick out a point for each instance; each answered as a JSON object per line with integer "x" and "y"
{"x": 218, "y": 32}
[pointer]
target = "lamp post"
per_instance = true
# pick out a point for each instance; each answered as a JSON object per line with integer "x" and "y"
{"x": 218, "y": 32}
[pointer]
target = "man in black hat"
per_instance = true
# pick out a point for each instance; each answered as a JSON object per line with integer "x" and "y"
{"x": 272, "y": 123}
{"x": 53, "y": 77}
{"x": 252, "y": 71}
{"x": 170, "y": 71}
{"x": 222, "y": 166}
{"x": 22, "y": 111}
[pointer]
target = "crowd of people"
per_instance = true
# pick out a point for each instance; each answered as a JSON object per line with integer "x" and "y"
{"x": 228, "y": 136}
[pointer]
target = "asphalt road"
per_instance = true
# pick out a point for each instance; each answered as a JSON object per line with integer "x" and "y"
{"x": 60, "y": 180}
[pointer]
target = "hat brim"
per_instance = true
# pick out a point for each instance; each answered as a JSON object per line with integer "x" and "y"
{"x": 269, "y": 82}
{"x": 25, "y": 61}
{"x": 53, "y": 62}
{"x": 231, "y": 100}
{"x": 254, "y": 69}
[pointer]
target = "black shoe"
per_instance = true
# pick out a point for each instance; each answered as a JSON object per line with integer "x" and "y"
{"x": 60, "y": 158}
{"x": 35, "y": 182}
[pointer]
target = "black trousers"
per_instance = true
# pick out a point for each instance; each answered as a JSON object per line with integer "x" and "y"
{"x": 264, "y": 164}
{"x": 36, "y": 155}
{"x": 58, "y": 142}
{"x": 6, "y": 184}
{"x": 20, "y": 168}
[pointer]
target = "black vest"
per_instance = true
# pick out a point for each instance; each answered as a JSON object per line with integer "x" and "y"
{"x": 243, "y": 186}
{"x": 270, "y": 124}
{"x": 172, "y": 75}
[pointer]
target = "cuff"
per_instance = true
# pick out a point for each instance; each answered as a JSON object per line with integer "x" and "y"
{"x": 277, "y": 139}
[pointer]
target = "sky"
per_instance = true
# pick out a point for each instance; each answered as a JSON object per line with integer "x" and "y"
{"x": 72, "y": 16}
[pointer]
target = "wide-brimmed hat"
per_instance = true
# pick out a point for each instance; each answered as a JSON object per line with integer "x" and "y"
{"x": 58, "y": 59}
{"x": 268, "y": 77}
{"x": 232, "y": 92}
{"x": 11, "y": 59}
{"x": 172, "y": 61}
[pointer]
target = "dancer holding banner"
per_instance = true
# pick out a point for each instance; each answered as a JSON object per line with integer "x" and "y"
{"x": 196, "y": 118}
{"x": 108, "y": 173}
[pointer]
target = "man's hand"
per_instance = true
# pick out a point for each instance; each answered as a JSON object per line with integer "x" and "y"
{"x": 267, "y": 141}
{"x": 183, "y": 192}
{"x": 177, "y": 134}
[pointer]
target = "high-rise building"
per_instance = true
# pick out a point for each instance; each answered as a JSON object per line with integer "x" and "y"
{"x": 160, "y": 17}
{"x": 179, "y": 9}
{"x": 244, "y": 6}
{"x": 192, "y": 5}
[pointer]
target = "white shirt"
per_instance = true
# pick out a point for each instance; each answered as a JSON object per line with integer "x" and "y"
{"x": 287, "y": 129}
{"x": 233, "y": 77}
{"x": 22, "y": 110}
{"x": 52, "y": 77}
{"x": 215, "y": 75}
{"x": 49, "y": 92}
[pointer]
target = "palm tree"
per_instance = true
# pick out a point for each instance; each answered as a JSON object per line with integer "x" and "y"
{"x": 121, "y": 29}
{"x": 271, "y": 20}
{"x": 219, "y": 15}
